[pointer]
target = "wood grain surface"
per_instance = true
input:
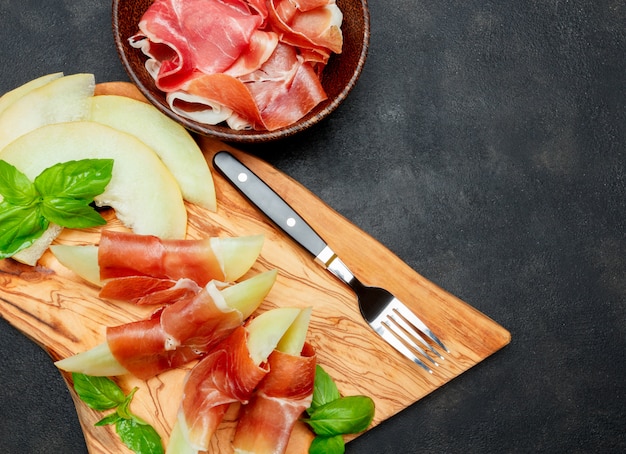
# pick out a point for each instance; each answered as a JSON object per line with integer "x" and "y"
{"x": 64, "y": 315}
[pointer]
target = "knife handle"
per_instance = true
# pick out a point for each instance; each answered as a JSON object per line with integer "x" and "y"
{"x": 270, "y": 203}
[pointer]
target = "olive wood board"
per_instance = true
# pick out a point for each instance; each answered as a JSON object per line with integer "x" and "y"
{"x": 63, "y": 314}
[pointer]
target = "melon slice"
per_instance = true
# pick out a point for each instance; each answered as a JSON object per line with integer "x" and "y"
{"x": 82, "y": 260}
{"x": 11, "y": 96}
{"x": 60, "y": 100}
{"x": 169, "y": 140}
{"x": 293, "y": 341}
{"x": 266, "y": 330}
{"x": 143, "y": 192}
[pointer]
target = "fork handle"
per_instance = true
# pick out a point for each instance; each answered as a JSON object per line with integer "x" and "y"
{"x": 272, "y": 205}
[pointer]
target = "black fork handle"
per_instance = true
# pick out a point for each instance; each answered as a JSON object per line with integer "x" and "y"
{"x": 270, "y": 203}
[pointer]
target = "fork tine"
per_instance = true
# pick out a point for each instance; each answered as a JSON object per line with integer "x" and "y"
{"x": 420, "y": 325}
{"x": 395, "y": 326}
{"x": 408, "y": 333}
{"x": 384, "y": 331}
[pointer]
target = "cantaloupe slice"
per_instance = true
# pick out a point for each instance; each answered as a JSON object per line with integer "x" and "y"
{"x": 60, "y": 100}
{"x": 11, "y": 96}
{"x": 143, "y": 192}
{"x": 169, "y": 140}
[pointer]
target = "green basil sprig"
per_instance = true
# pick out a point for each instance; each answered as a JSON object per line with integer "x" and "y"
{"x": 61, "y": 194}
{"x": 101, "y": 393}
{"x": 332, "y": 415}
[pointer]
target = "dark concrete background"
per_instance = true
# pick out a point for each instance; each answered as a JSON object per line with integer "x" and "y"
{"x": 484, "y": 144}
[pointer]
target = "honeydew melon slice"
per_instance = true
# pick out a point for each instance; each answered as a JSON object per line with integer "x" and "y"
{"x": 293, "y": 341}
{"x": 11, "y": 96}
{"x": 266, "y": 330}
{"x": 82, "y": 260}
{"x": 238, "y": 254}
{"x": 60, "y": 100}
{"x": 143, "y": 192}
{"x": 169, "y": 140}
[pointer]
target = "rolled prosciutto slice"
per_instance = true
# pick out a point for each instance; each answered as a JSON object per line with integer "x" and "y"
{"x": 175, "y": 335}
{"x": 229, "y": 374}
{"x": 226, "y": 376}
{"x": 123, "y": 254}
{"x": 314, "y": 27}
{"x": 266, "y": 422}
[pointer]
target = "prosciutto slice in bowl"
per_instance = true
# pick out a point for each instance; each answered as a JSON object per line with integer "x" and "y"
{"x": 190, "y": 42}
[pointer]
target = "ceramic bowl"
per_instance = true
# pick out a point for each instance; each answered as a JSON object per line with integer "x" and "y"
{"x": 338, "y": 78}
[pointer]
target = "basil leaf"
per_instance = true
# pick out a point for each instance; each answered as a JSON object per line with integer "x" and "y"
{"x": 139, "y": 437}
{"x": 324, "y": 389}
{"x": 82, "y": 179}
{"x": 20, "y": 226}
{"x": 15, "y": 187}
{"x": 113, "y": 418}
{"x": 99, "y": 393}
{"x": 327, "y": 445}
{"x": 60, "y": 194}
{"x": 71, "y": 213}
{"x": 346, "y": 415}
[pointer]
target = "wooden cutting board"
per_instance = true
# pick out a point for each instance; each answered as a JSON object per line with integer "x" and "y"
{"x": 64, "y": 315}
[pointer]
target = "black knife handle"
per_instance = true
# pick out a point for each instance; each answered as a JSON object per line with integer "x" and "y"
{"x": 270, "y": 203}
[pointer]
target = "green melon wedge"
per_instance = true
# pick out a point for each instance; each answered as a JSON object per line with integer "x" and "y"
{"x": 11, "y": 96}
{"x": 294, "y": 338}
{"x": 170, "y": 141}
{"x": 82, "y": 260}
{"x": 60, "y": 100}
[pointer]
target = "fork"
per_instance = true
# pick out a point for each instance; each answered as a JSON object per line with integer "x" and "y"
{"x": 385, "y": 313}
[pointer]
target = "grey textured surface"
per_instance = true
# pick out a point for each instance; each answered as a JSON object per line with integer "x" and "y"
{"x": 484, "y": 144}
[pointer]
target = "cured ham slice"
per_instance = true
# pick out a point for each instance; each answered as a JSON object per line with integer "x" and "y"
{"x": 311, "y": 25}
{"x": 185, "y": 330}
{"x": 266, "y": 422}
{"x": 139, "y": 347}
{"x": 226, "y": 376}
{"x": 147, "y": 290}
{"x": 214, "y": 92}
{"x": 163, "y": 341}
{"x": 283, "y": 90}
{"x": 182, "y": 36}
{"x": 261, "y": 47}
{"x": 286, "y": 88}
{"x": 127, "y": 254}
{"x": 229, "y": 374}
{"x": 190, "y": 43}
